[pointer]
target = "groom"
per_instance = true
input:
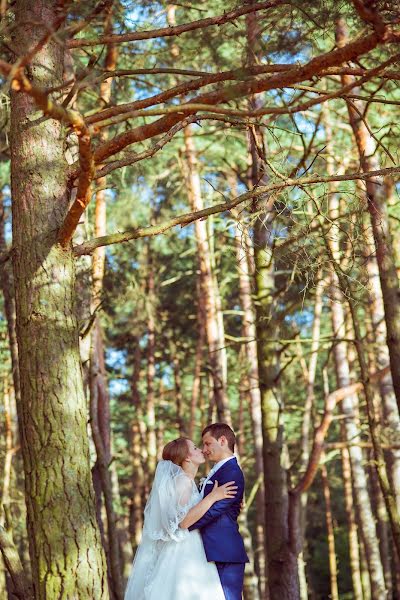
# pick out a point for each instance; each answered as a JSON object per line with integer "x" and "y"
{"x": 218, "y": 526}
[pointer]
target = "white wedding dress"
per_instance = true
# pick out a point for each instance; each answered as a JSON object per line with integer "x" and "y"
{"x": 170, "y": 562}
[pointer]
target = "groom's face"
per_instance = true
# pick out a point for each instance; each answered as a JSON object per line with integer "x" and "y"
{"x": 212, "y": 448}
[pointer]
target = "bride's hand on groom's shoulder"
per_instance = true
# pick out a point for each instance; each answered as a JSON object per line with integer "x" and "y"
{"x": 222, "y": 492}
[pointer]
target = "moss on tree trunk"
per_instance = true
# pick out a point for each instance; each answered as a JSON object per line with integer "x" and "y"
{"x": 66, "y": 554}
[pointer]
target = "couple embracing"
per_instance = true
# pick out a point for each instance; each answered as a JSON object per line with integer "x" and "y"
{"x": 191, "y": 548}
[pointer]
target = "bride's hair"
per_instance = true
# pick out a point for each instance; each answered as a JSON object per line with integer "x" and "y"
{"x": 176, "y": 451}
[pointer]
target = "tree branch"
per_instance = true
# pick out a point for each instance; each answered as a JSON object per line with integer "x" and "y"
{"x": 331, "y": 401}
{"x": 178, "y": 29}
{"x": 295, "y": 75}
{"x": 20, "y": 83}
{"x": 187, "y": 218}
{"x": 22, "y": 588}
{"x": 134, "y": 157}
{"x": 268, "y": 110}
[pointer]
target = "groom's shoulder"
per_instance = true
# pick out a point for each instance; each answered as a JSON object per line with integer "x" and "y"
{"x": 233, "y": 465}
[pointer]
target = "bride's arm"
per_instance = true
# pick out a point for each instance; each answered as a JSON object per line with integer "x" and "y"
{"x": 228, "y": 490}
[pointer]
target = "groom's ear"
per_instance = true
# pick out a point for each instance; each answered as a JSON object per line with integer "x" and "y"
{"x": 223, "y": 441}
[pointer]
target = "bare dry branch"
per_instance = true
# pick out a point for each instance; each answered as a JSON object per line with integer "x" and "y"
{"x": 185, "y": 219}
{"x": 228, "y": 17}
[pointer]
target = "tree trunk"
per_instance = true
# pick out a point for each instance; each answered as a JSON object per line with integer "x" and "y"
{"x": 283, "y": 581}
{"x": 66, "y": 553}
{"x": 151, "y": 366}
{"x": 242, "y": 245}
{"x": 100, "y": 431}
{"x": 381, "y": 357}
{"x": 198, "y": 360}
{"x": 349, "y": 407}
{"x": 215, "y": 341}
{"x": 178, "y": 390}
{"x": 381, "y": 527}
{"x": 331, "y": 537}
{"x": 350, "y": 403}
{"x": 377, "y": 208}
{"x": 351, "y": 523}
{"x": 310, "y": 374}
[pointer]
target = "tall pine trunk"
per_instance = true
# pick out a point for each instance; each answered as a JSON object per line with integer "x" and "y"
{"x": 65, "y": 547}
{"x": 215, "y": 339}
{"x": 242, "y": 243}
{"x": 377, "y": 207}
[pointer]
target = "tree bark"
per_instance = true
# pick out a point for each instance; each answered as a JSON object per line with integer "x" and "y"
{"x": 351, "y": 523}
{"x": 22, "y": 588}
{"x": 381, "y": 527}
{"x": 331, "y": 536}
{"x": 382, "y": 359}
{"x": 350, "y": 403}
{"x": 377, "y": 208}
{"x": 283, "y": 581}
{"x": 215, "y": 341}
{"x": 151, "y": 365}
{"x": 66, "y": 553}
{"x": 138, "y": 479}
{"x": 243, "y": 248}
{"x": 198, "y": 360}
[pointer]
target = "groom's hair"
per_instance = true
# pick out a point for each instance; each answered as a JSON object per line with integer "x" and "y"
{"x": 221, "y": 429}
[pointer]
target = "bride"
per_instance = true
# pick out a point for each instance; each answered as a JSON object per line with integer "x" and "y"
{"x": 170, "y": 562}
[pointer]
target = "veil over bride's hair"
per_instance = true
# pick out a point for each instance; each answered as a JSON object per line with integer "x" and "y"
{"x": 166, "y": 507}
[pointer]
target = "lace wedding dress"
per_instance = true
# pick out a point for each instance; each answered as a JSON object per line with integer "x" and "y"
{"x": 170, "y": 562}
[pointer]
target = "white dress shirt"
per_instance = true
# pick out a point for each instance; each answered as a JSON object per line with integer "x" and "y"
{"x": 215, "y": 468}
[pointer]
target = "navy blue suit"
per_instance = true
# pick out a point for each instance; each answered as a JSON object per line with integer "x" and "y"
{"x": 222, "y": 541}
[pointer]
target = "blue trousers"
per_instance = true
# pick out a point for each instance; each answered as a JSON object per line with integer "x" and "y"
{"x": 231, "y": 576}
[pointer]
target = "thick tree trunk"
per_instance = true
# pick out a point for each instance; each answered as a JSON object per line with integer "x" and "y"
{"x": 283, "y": 581}
{"x": 66, "y": 553}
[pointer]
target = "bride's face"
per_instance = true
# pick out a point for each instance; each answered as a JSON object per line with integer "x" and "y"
{"x": 195, "y": 454}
